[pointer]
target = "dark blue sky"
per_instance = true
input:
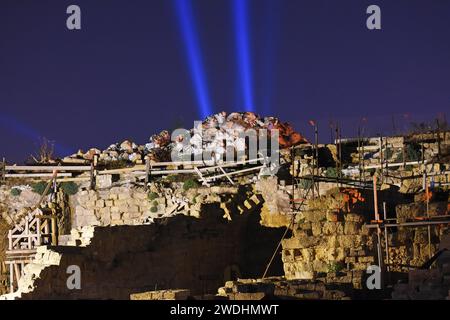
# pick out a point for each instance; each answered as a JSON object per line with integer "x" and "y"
{"x": 125, "y": 74}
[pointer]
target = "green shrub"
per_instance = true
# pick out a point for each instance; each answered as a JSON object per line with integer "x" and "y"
{"x": 15, "y": 192}
{"x": 305, "y": 183}
{"x": 39, "y": 187}
{"x": 69, "y": 188}
{"x": 189, "y": 184}
{"x": 413, "y": 152}
{"x": 155, "y": 203}
{"x": 152, "y": 196}
{"x": 335, "y": 266}
{"x": 331, "y": 172}
{"x": 388, "y": 153}
{"x": 154, "y": 209}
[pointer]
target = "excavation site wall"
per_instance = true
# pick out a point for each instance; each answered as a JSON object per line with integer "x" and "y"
{"x": 178, "y": 252}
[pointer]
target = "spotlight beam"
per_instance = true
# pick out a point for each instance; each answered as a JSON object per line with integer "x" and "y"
{"x": 20, "y": 128}
{"x": 189, "y": 34}
{"x": 240, "y": 11}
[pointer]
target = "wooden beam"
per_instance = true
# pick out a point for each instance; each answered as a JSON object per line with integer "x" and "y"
{"x": 47, "y": 168}
{"x": 226, "y": 175}
{"x": 205, "y": 182}
{"x": 234, "y": 172}
{"x": 35, "y": 175}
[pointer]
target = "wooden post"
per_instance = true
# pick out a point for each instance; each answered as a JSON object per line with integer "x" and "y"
{"x": 375, "y": 198}
{"x": 147, "y": 172}
{"x": 293, "y": 178}
{"x": 427, "y": 195}
{"x": 438, "y": 139}
{"x": 381, "y": 157}
{"x": 359, "y": 155}
{"x": 404, "y": 153}
{"x": 54, "y": 231}
{"x": 363, "y": 160}
{"x": 3, "y": 171}
{"x": 316, "y": 133}
{"x": 27, "y": 232}
{"x": 377, "y": 218}
{"x": 11, "y": 278}
{"x": 386, "y": 235}
{"x": 38, "y": 231}
{"x": 94, "y": 171}
{"x": 336, "y": 142}
{"x": 340, "y": 152}
{"x": 16, "y": 271}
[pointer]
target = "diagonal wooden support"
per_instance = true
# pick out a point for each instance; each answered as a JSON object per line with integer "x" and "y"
{"x": 201, "y": 177}
{"x": 226, "y": 175}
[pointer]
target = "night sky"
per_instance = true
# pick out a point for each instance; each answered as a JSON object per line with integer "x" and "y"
{"x": 125, "y": 74}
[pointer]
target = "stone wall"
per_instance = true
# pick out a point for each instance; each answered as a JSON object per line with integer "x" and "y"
{"x": 133, "y": 205}
{"x": 328, "y": 239}
{"x": 198, "y": 254}
{"x": 409, "y": 246}
{"x": 114, "y": 206}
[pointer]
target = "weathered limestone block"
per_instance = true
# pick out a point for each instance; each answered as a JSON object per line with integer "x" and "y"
{"x": 352, "y": 217}
{"x": 113, "y": 196}
{"x": 179, "y": 294}
{"x": 300, "y": 242}
{"x": 333, "y": 228}
{"x": 103, "y": 181}
{"x": 270, "y": 218}
{"x": 352, "y": 228}
{"x": 100, "y": 203}
{"x": 350, "y": 241}
{"x": 316, "y": 228}
{"x": 314, "y": 216}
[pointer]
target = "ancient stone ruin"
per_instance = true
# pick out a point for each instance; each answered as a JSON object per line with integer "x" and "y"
{"x": 137, "y": 225}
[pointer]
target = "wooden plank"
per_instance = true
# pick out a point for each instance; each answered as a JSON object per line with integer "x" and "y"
{"x": 398, "y": 164}
{"x": 235, "y": 172}
{"x": 228, "y": 177}
{"x": 78, "y": 179}
{"x": 20, "y": 253}
{"x": 35, "y": 175}
{"x": 10, "y": 244}
{"x": 122, "y": 170}
{"x": 17, "y": 271}
{"x": 47, "y": 168}
{"x": 205, "y": 182}
{"x": 11, "y": 278}
{"x": 13, "y": 262}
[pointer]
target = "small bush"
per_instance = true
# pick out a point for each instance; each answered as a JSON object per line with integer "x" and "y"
{"x": 15, "y": 192}
{"x": 152, "y": 196}
{"x": 413, "y": 152}
{"x": 388, "y": 153}
{"x": 335, "y": 266}
{"x": 69, "y": 188}
{"x": 155, "y": 203}
{"x": 189, "y": 184}
{"x": 39, "y": 187}
{"x": 305, "y": 183}
{"x": 154, "y": 209}
{"x": 331, "y": 172}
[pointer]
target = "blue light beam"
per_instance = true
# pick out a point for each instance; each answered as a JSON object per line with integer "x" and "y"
{"x": 240, "y": 11}
{"x": 189, "y": 35}
{"x": 27, "y": 132}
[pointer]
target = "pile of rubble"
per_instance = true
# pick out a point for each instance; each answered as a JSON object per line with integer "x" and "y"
{"x": 215, "y": 134}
